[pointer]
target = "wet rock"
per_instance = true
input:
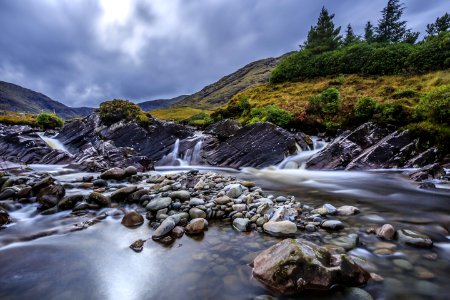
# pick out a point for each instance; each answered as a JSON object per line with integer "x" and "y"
{"x": 265, "y": 297}
{"x": 4, "y": 217}
{"x": 403, "y": 263}
{"x": 132, "y": 219}
{"x": 100, "y": 183}
{"x": 122, "y": 194}
{"x": 130, "y": 171}
{"x": 239, "y": 207}
{"x": 113, "y": 173}
{"x": 332, "y": 224}
{"x": 181, "y": 195}
{"x": 49, "y": 196}
{"x": 196, "y": 226}
{"x": 347, "y": 210}
{"x": 413, "y": 238}
{"x": 223, "y": 200}
{"x": 138, "y": 245}
{"x": 310, "y": 228}
{"x": 177, "y": 232}
{"x": 42, "y": 183}
{"x": 262, "y": 220}
{"x": 356, "y": 294}
{"x": 223, "y": 129}
{"x": 281, "y": 199}
{"x": 166, "y": 226}
{"x": 24, "y": 192}
{"x": 387, "y": 232}
{"x": 281, "y": 228}
{"x": 292, "y": 266}
{"x": 99, "y": 199}
{"x": 347, "y": 242}
{"x": 196, "y": 201}
{"x": 159, "y": 203}
{"x": 197, "y": 213}
{"x": 69, "y": 202}
{"x": 331, "y": 210}
{"x": 241, "y": 224}
{"x": 7, "y": 193}
{"x": 234, "y": 190}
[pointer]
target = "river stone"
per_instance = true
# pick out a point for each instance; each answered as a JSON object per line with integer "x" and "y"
{"x": 177, "y": 232}
{"x": 100, "y": 183}
{"x": 99, "y": 199}
{"x": 182, "y": 195}
{"x": 265, "y": 297}
{"x": 130, "y": 171}
{"x": 132, "y": 219}
{"x": 24, "y": 191}
{"x": 347, "y": 210}
{"x": 281, "y": 228}
{"x": 196, "y": 201}
{"x": 262, "y": 220}
{"x": 331, "y": 210}
{"x": 138, "y": 245}
{"x": 356, "y": 294}
{"x": 4, "y": 217}
{"x": 196, "y": 226}
{"x": 113, "y": 173}
{"x": 197, "y": 213}
{"x": 332, "y": 224}
{"x": 42, "y": 183}
{"x": 279, "y": 214}
{"x": 386, "y": 232}
{"x": 69, "y": 202}
{"x": 166, "y": 226}
{"x": 413, "y": 238}
{"x": 234, "y": 190}
{"x": 292, "y": 266}
{"x": 159, "y": 203}
{"x": 241, "y": 224}
{"x": 121, "y": 194}
{"x": 7, "y": 194}
{"x": 222, "y": 200}
{"x": 50, "y": 195}
{"x": 239, "y": 207}
{"x": 281, "y": 199}
{"x": 347, "y": 242}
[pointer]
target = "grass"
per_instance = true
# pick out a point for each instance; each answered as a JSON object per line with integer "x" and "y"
{"x": 14, "y": 118}
{"x": 177, "y": 114}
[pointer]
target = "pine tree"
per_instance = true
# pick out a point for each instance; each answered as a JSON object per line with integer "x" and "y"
{"x": 350, "y": 37}
{"x": 369, "y": 34}
{"x": 441, "y": 24}
{"x": 324, "y": 36}
{"x": 390, "y": 28}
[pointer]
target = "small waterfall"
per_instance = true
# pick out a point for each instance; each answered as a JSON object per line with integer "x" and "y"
{"x": 53, "y": 143}
{"x": 298, "y": 160}
{"x": 196, "y": 152}
{"x": 176, "y": 149}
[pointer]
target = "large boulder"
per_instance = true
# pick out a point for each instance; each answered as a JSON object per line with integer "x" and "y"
{"x": 49, "y": 196}
{"x": 293, "y": 266}
{"x": 223, "y": 129}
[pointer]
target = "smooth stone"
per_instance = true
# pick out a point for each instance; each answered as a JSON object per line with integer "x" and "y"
{"x": 403, "y": 263}
{"x": 387, "y": 232}
{"x": 121, "y": 194}
{"x": 239, "y": 207}
{"x": 331, "y": 210}
{"x": 355, "y": 293}
{"x": 99, "y": 199}
{"x": 69, "y": 202}
{"x": 138, "y": 245}
{"x": 281, "y": 228}
{"x": 265, "y": 297}
{"x": 347, "y": 210}
{"x": 196, "y": 201}
{"x": 50, "y": 196}
{"x": 113, "y": 173}
{"x": 241, "y": 224}
{"x": 4, "y": 217}
{"x": 248, "y": 184}
{"x": 196, "y": 226}
{"x": 100, "y": 183}
{"x": 262, "y": 220}
{"x": 197, "y": 213}
{"x": 177, "y": 232}
{"x": 413, "y": 238}
{"x": 182, "y": 195}
{"x": 166, "y": 226}
{"x": 234, "y": 190}
{"x": 310, "y": 228}
{"x": 279, "y": 214}
{"x": 281, "y": 199}
{"x": 332, "y": 224}
{"x": 222, "y": 200}
{"x": 347, "y": 242}
{"x": 159, "y": 203}
{"x": 132, "y": 219}
{"x": 130, "y": 171}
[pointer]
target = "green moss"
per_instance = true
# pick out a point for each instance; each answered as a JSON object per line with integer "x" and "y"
{"x": 49, "y": 121}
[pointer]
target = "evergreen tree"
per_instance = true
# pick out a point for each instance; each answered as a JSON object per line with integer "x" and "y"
{"x": 441, "y": 24}
{"x": 350, "y": 37}
{"x": 369, "y": 34}
{"x": 390, "y": 28}
{"x": 324, "y": 36}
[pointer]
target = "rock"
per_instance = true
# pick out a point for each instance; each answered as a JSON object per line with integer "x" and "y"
{"x": 49, "y": 196}
{"x": 281, "y": 199}
{"x": 166, "y": 226}
{"x": 181, "y": 195}
{"x": 130, "y": 171}
{"x": 100, "y": 183}
{"x": 99, "y": 199}
{"x": 248, "y": 184}
{"x": 347, "y": 242}
{"x": 241, "y": 224}
{"x": 223, "y": 200}
{"x": 413, "y": 238}
{"x": 347, "y": 210}
{"x": 331, "y": 210}
{"x": 262, "y": 220}
{"x": 265, "y": 297}
{"x": 386, "y": 232}
{"x": 69, "y": 202}
{"x": 7, "y": 193}
{"x": 177, "y": 232}
{"x": 223, "y": 129}
{"x": 281, "y": 228}
{"x": 403, "y": 263}
{"x": 159, "y": 203}
{"x": 121, "y": 194}
{"x": 310, "y": 228}
{"x": 197, "y": 213}
{"x": 196, "y": 201}
{"x": 356, "y": 294}
{"x": 24, "y": 192}
{"x": 292, "y": 266}
{"x": 239, "y": 207}
{"x": 113, "y": 173}
{"x": 43, "y": 183}
{"x": 279, "y": 214}
{"x": 332, "y": 224}
{"x": 234, "y": 190}
{"x": 4, "y": 217}
{"x": 138, "y": 245}
{"x": 196, "y": 226}
{"x": 132, "y": 219}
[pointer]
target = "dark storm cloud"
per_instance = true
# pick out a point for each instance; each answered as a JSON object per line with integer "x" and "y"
{"x": 82, "y": 52}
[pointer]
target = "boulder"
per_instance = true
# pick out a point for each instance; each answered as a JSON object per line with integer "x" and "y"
{"x": 69, "y": 202}
{"x": 223, "y": 129}
{"x": 113, "y": 173}
{"x": 196, "y": 226}
{"x": 99, "y": 199}
{"x": 49, "y": 196}
{"x": 386, "y": 232}
{"x": 132, "y": 219}
{"x": 281, "y": 228}
{"x": 122, "y": 194}
{"x": 292, "y": 266}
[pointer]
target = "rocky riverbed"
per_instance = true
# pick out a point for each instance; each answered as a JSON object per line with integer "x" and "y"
{"x": 227, "y": 225}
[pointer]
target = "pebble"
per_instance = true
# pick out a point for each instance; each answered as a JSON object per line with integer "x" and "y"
{"x": 241, "y": 224}
{"x": 181, "y": 195}
{"x": 347, "y": 210}
{"x": 197, "y": 213}
{"x": 413, "y": 238}
{"x": 138, "y": 245}
{"x": 387, "y": 232}
{"x": 159, "y": 203}
{"x": 332, "y": 224}
{"x": 196, "y": 226}
{"x": 281, "y": 228}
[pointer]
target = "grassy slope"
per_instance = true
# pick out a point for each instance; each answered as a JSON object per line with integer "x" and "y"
{"x": 294, "y": 96}
{"x": 177, "y": 114}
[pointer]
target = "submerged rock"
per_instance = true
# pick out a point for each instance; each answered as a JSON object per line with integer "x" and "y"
{"x": 347, "y": 210}
{"x": 413, "y": 238}
{"x": 292, "y": 266}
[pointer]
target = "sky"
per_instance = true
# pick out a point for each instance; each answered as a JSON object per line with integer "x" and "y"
{"x": 83, "y": 52}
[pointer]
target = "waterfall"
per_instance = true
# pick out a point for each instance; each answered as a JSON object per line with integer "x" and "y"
{"x": 53, "y": 143}
{"x": 176, "y": 149}
{"x": 196, "y": 152}
{"x": 298, "y": 160}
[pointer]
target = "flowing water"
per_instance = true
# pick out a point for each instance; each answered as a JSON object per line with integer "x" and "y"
{"x": 41, "y": 257}
{"x": 53, "y": 143}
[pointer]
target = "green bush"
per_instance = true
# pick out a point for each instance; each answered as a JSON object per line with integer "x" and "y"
{"x": 272, "y": 114}
{"x": 47, "y": 120}
{"x": 326, "y": 103}
{"x": 388, "y": 59}
{"x": 393, "y": 113}
{"x": 365, "y": 108}
{"x": 201, "y": 119}
{"x": 432, "y": 54}
{"x": 435, "y": 106}
{"x": 233, "y": 110}
{"x": 431, "y": 134}
{"x": 117, "y": 110}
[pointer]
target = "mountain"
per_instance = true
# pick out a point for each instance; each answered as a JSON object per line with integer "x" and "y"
{"x": 218, "y": 93}
{"x": 16, "y": 98}
{"x": 160, "y": 103}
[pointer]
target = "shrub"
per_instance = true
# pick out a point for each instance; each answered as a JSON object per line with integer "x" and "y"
{"x": 365, "y": 108}
{"x": 47, "y": 120}
{"x": 201, "y": 119}
{"x": 388, "y": 59}
{"x": 326, "y": 103}
{"x": 408, "y": 93}
{"x": 435, "y": 106}
{"x": 272, "y": 114}
{"x": 233, "y": 110}
{"x": 117, "y": 110}
{"x": 393, "y": 113}
{"x": 432, "y": 54}
{"x": 431, "y": 134}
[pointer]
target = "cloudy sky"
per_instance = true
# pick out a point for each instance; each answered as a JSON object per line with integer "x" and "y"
{"x": 82, "y": 52}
